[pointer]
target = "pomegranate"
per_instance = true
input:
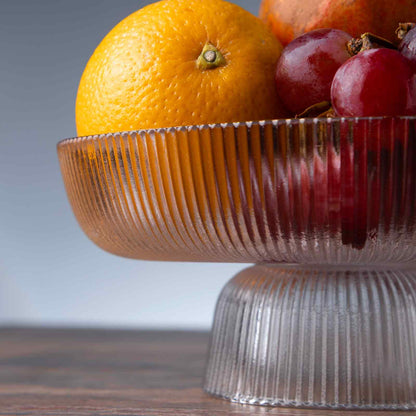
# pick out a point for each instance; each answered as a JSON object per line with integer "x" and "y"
{"x": 290, "y": 19}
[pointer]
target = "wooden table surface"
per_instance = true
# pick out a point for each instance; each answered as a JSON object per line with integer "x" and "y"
{"x": 114, "y": 372}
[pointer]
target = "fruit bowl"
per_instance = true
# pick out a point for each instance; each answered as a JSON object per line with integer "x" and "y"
{"x": 326, "y": 208}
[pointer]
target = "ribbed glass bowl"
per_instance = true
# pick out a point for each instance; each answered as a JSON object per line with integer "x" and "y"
{"x": 327, "y": 206}
{"x": 332, "y": 191}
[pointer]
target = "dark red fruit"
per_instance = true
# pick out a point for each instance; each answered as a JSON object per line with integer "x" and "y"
{"x": 376, "y": 82}
{"x": 307, "y": 66}
{"x": 407, "y": 46}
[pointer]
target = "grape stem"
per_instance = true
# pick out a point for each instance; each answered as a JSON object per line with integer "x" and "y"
{"x": 403, "y": 29}
{"x": 368, "y": 41}
{"x": 322, "y": 109}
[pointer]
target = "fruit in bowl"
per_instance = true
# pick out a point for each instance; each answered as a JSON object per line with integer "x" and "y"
{"x": 307, "y": 67}
{"x": 375, "y": 82}
{"x": 219, "y": 65}
{"x": 290, "y": 19}
{"x": 406, "y": 33}
{"x": 180, "y": 62}
{"x": 360, "y": 77}
{"x": 328, "y": 73}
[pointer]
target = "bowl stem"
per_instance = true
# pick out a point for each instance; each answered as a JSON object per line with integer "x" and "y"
{"x": 316, "y": 337}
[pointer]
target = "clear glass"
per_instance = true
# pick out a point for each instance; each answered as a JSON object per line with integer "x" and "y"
{"x": 324, "y": 337}
{"x": 334, "y": 194}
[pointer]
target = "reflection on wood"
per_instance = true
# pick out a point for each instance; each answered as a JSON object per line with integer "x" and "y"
{"x": 114, "y": 372}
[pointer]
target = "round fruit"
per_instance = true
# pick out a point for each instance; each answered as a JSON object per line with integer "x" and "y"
{"x": 180, "y": 62}
{"x": 290, "y": 19}
{"x": 308, "y": 64}
{"x": 407, "y": 46}
{"x": 376, "y": 82}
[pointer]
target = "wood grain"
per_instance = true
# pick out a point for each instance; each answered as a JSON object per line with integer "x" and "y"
{"x": 114, "y": 372}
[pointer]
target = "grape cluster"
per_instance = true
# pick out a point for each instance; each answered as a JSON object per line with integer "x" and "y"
{"x": 358, "y": 77}
{"x": 327, "y": 73}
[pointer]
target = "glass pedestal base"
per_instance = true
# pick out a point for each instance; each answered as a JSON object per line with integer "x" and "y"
{"x": 316, "y": 337}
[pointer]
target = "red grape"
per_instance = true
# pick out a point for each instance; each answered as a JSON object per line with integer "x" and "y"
{"x": 376, "y": 82}
{"x": 407, "y": 46}
{"x": 307, "y": 66}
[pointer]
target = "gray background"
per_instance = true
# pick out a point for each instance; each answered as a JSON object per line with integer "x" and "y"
{"x": 50, "y": 273}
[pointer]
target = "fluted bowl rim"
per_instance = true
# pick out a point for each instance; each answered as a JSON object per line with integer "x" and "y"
{"x": 211, "y": 126}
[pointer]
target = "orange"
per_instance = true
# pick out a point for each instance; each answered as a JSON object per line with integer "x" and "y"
{"x": 180, "y": 62}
